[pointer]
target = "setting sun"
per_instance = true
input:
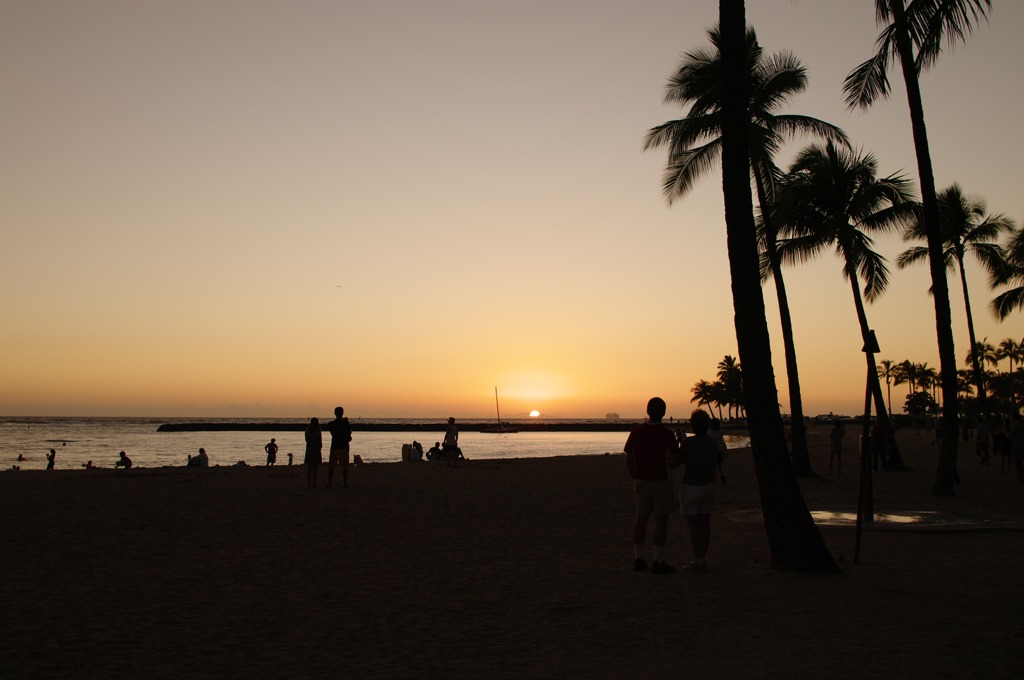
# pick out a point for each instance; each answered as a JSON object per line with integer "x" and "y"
{"x": 534, "y": 414}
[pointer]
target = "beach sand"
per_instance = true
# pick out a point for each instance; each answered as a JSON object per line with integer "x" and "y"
{"x": 510, "y": 569}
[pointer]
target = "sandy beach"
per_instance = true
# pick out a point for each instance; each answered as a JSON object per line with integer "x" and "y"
{"x": 499, "y": 569}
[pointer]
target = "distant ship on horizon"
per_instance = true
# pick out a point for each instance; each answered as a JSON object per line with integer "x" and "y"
{"x": 611, "y": 416}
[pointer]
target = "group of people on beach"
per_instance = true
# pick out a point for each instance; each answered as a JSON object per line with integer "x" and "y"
{"x": 652, "y": 450}
{"x": 448, "y": 451}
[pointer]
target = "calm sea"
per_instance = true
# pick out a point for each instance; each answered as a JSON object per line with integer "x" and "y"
{"x": 79, "y": 440}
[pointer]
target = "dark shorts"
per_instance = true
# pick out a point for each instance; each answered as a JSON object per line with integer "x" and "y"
{"x": 339, "y": 455}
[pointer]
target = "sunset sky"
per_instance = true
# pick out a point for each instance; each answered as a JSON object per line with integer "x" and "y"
{"x": 267, "y": 208}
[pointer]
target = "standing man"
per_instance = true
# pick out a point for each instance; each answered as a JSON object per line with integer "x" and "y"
{"x": 1017, "y": 445}
{"x": 271, "y": 450}
{"x": 450, "y": 445}
{"x": 649, "y": 449}
{"x": 341, "y": 435}
{"x": 51, "y": 459}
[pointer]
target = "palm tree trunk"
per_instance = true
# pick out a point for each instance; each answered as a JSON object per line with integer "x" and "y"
{"x": 895, "y": 461}
{"x": 979, "y": 377}
{"x": 798, "y": 440}
{"x": 945, "y": 474}
{"x": 793, "y": 539}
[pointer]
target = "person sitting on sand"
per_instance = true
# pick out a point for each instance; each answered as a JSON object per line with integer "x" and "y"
{"x": 271, "y": 450}
{"x": 123, "y": 461}
{"x": 201, "y": 460}
{"x": 417, "y": 449}
{"x": 648, "y": 449}
{"x": 434, "y": 453}
{"x": 88, "y": 466}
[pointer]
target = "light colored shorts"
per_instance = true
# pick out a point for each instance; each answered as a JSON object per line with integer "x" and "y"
{"x": 697, "y": 500}
{"x": 339, "y": 456}
{"x": 654, "y": 497}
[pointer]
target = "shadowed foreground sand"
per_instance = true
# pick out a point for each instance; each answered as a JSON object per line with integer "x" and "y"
{"x": 509, "y": 569}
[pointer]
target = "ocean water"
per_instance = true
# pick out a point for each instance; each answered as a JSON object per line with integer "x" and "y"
{"x": 79, "y": 440}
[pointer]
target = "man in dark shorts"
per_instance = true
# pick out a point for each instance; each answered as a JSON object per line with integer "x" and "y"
{"x": 649, "y": 449}
{"x": 341, "y": 435}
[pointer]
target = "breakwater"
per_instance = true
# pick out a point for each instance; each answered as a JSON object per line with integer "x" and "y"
{"x": 362, "y": 426}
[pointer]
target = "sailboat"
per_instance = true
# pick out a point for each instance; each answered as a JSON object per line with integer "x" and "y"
{"x": 500, "y": 428}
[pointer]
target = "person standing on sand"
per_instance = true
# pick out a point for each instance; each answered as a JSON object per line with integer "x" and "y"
{"x": 51, "y": 459}
{"x": 1017, "y": 445}
{"x": 648, "y": 450}
{"x": 271, "y": 450}
{"x": 314, "y": 451}
{"x": 981, "y": 441}
{"x": 702, "y": 457}
{"x": 835, "y": 454}
{"x": 715, "y": 432}
{"x": 450, "y": 445}
{"x": 341, "y": 435}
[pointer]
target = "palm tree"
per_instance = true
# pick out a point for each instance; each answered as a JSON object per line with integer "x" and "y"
{"x": 1012, "y": 350}
{"x": 1010, "y": 272}
{"x": 965, "y": 228}
{"x": 695, "y": 144}
{"x": 832, "y": 198}
{"x": 793, "y": 539}
{"x": 704, "y": 393}
{"x": 924, "y": 25}
{"x": 730, "y": 375}
{"x": 928, "y": 378}
{"x": 887, "y": 370}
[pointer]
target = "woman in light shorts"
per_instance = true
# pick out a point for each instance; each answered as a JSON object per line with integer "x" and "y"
{"x": 702, "y": 458}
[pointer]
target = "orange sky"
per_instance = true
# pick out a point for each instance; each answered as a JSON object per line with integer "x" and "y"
{"x": 265, "y": 209}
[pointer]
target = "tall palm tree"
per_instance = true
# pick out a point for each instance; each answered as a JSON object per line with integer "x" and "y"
{"x": 1012, "y": 350}
{"x": 793, "y": 539}
{"x": 695, "y": 144}
{"x": 928, "y": 378}
{"x": 914, "y": 34}
{"x": 1010, "y": 272}
{"x": 888, "y": 371}
{"x": 965, "y": 228}
{"x": 910, "y": 374}
{"x": 833, "y": 199}
{"x": 730, "y": 375}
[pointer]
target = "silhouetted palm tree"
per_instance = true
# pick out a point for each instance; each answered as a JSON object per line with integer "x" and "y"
{"x": 730, "y": 375}
{"x": 794, "y": 540}
{"x": 888, "y": 370}
{"x": 1011, "y": 273}
{"x": 1014, "y": 351}
{"x": 915, "y": 37}
{"x": 695, "y": 144}
{"x": 705, "y": 392}
{"x": 965, "y": 228}
{"x": 831, "y": 198}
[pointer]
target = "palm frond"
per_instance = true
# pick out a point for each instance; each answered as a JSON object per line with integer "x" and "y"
{"x": 869, "y": 81}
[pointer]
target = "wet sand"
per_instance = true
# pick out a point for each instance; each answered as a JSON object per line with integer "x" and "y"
{"x": 500, "y": 569}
